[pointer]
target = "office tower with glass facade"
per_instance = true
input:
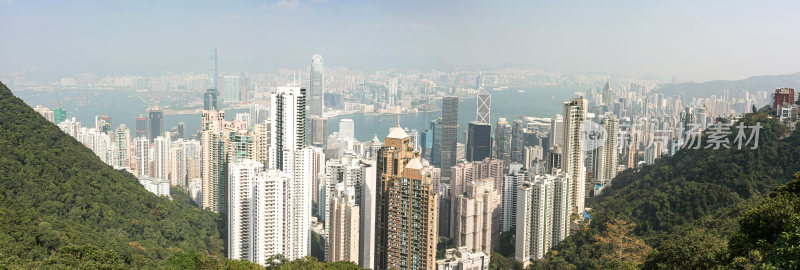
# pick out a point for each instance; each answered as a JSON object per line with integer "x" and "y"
{"x": 316, "y": 87}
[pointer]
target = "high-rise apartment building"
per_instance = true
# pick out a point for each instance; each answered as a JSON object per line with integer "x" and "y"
{"x": 178, "y": 163}
{"x": 562, "y": 206}
{"x": 161, "y": 158}
{"x": 573, "y": 153}
{"x": 342, "y": 225}
{"x": 534, "y": 219}
{"x": 261, "y": 141}
{"x": 215, "y": 146}
{"x": 608, "y": 158}
{"x": 288, "y": 154}
{"x": 142, "y": 152}
{"x": 556, "y": 131}
{"x": 46, "y": 113}
{"x": 288, "y": 126}
{"x": 472, "y": 215}
{"x": 542, "y": 219}
{"x": 122, "y": 140}
{"x": 406, "y": 232}
{"x": 255, "y": 212}
{"x": 516, "y": 176}
{"x": 367, "y": 207}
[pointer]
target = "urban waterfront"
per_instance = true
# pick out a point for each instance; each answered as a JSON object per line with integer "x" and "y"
{"x": 123, "y": 106}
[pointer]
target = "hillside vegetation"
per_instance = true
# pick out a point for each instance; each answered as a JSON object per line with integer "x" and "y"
{"x": 688, "y": 209}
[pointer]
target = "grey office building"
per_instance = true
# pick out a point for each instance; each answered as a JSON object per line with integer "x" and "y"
{"x": 449, "y": 134}
{"x": 479, "y": 141}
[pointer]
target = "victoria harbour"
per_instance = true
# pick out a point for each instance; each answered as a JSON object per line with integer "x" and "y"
{"x": 123, "y": 106}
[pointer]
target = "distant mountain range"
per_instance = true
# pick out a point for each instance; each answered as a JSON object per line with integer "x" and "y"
{"x": 705, "y": 89}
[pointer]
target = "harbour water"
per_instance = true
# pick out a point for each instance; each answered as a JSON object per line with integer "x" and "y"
{"x": 124, "y": 106}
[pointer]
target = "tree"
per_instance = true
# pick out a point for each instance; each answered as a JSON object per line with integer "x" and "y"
{"x": 619, "y": 245}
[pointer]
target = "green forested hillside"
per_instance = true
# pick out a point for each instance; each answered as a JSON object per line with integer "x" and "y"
{"x": 61, "y": 207}
{"x": 685, "y": 207}
{"x": 57, "y": 198}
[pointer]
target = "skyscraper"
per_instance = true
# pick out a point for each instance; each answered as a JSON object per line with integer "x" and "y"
{"x": 479, "y": 141}
{"x": 534, "y": 219}
{"x": 141, "y": 126}
{"x": 213, "y": 72}
{"x": 181, "y": 130}
{"x": 46, "y": 113}
{"x": 406, "y": 232}
{"x": 288, "y": 125}
{"x": 261, "y": 141}
{"x": 255, "y": 213}
{"x": 502, "y": 140}
{"x": 288, "y": 154}
{"x": 562, "y": 207}
{"x": 297, "y": 217}
{"x": 608, "y": 157}
{"x": 607, "y": 95}
{"x": 516, "y": 176}
{"x": 316, "y": 87}
{"x": 367, "y": 208}
{"x": 436, "y": 143}
{"x": 472, "y": 216}
{"x": 156, "y": 122}
{"x": 517, "y": 141}
{"x": 160, "y": 158}
{"x": 59, "y": 115}
{"x": 210, "y": 98}
{"x": 178, "y": 163}
{"x": 231, "y": 89}
{"x": 449, "y": 134}
{"x": 258, "y": 114}
{"x": 342, "y": 225}
{"x": 318, "y": 131}
{"x": 484, "y": 109}
{"x": 214, "y": 142}
{"x": 574, "y": 155}
{"x": 122, "y": 139}
{"x": 347, "y": 128}
{"x": 556, "y": 131}
{"x": 142, "y": 151}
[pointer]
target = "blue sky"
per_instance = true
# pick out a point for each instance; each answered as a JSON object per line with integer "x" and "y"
{"x": 692, "y": 40}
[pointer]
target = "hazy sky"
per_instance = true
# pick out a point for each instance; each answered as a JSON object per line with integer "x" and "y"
{"x": 693, "y": 40}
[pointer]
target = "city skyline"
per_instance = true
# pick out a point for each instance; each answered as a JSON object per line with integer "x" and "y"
{"x": 424, "y": 135}
{"x": 690, "y": 41}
